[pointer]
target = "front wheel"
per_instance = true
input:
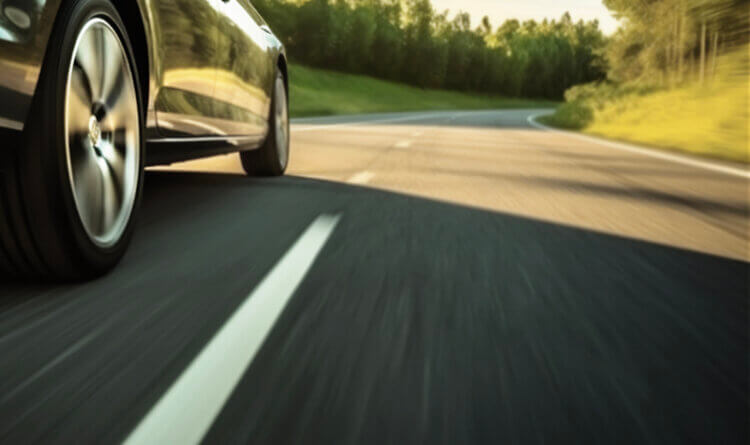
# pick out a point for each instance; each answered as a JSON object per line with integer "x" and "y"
{"x": 73, "y": 189}
{"x": 272, "y": 157}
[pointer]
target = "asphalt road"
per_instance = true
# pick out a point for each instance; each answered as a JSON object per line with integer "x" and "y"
{"x": 485, "y": 281}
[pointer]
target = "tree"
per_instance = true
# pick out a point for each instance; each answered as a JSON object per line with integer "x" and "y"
{"x": 409, "y": 42}
{"x": 667, "y": 41}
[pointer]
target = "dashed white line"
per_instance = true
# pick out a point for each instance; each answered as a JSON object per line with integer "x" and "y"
{"x": 645, "y": 151}
{"x": 9, "y": 123}
{"x": 362, "y": 177}
{"x": 186, "y": 411}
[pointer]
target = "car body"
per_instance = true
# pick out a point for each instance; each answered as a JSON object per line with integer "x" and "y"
{"x": 206, "y": 68}
{"x": 92, "y": 91}
{"x": 206, "y": 92}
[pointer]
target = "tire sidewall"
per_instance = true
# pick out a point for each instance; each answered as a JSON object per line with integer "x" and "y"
{"x": 92, "y": 258}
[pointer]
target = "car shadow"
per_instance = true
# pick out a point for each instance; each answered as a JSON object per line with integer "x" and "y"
{"x": 564, "y": 332}
{"x": 740, "y": 208}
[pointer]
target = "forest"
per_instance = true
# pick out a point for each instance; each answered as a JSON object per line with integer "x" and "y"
{"x": 677, "y": 78}
{"x": 667, "y": 42}
{"x": 409, "y": 41}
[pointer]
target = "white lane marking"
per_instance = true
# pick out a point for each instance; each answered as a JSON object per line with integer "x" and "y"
{"x": 402, "y": 144}
{"x": 417, "y": 134}
{"x": 361, "y": 178}
{"x": 654, "y": 153}
{"x": 9, "y": 123}
{"x": 186, "y": 411}
{"x": 411, "y": 117}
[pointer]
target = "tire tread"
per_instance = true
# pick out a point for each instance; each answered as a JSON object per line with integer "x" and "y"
{"x": 21, "y": 256}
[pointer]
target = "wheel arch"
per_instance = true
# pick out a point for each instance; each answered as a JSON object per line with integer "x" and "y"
{"x": 284, "y": 69}
{"x": 133, "y": 19}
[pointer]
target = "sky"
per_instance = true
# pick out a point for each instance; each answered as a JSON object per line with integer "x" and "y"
{"x": 500, "y": 10}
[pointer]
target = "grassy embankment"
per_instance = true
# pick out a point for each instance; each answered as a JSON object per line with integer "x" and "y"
{"x": 316, "y": 92}
{"x": 708, "y": 120}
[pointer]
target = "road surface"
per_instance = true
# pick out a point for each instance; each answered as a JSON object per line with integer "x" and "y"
{"x": 442, "y": 277}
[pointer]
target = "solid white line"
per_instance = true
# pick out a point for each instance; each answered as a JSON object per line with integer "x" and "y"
{"x": 645, "y": 151}
{"x": 361, "y": 178}
{"x": 186, "y": 411}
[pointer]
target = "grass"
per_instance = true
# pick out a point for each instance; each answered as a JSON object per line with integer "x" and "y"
{"x": 708, "y": 120}
{"x": 316, "y": 92}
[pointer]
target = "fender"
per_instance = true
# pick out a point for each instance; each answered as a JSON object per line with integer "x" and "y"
{"x": 25, "y": 29}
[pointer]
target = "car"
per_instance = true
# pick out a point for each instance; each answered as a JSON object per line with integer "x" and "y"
{"x": 92, "y": 91}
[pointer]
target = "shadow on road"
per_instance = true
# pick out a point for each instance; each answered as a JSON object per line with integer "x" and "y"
{"x": 641, "y": 193}
{"x": 421, "y": 321}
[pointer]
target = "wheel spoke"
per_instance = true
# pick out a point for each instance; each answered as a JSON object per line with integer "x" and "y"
{"x": 79, "y": 102}
{"x": 120, "y": 117}
{"x": 111, "y": 196}
{"x": 90, "y": 48}
{"x": 112, "y": 154}
{"x": 87, "y": 186}
{"x": 114, "y": 69}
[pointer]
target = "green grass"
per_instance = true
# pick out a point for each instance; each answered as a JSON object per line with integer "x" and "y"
{"x": 316, "y": 92}
{"x": 707, "y": 120}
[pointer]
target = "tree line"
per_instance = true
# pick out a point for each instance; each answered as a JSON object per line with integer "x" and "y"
{"x": 668, "y": 42}
{"x": 408, "y": 41}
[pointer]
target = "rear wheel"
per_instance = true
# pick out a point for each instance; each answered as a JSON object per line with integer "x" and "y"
{"x": 71, "y": 192}
{"x": 272, "y": 157}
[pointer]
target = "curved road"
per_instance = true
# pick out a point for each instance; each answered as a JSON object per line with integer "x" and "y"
{"x": 442, "y": 277}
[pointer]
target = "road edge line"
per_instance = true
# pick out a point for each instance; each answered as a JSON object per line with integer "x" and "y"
{"x": 654, "y": 153}
{"x": 313, "y": 127}
{"x": 186, "y": 411}
{"x": 411, "y": 116}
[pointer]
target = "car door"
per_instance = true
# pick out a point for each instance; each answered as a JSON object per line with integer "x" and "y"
{"x": 186, "y": 32}
{"x": 245, "y": 70}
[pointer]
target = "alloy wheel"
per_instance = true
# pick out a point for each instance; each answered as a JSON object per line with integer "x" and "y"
{"x": 102, "y": 139}
{"x": 282, "y": 122}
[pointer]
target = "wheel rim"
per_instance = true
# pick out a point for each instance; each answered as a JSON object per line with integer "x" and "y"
{"x": 282, "y": 123}
{"x": 102, "y": 132}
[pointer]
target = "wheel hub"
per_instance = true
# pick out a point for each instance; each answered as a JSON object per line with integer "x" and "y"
{"x": 95, "y": 131}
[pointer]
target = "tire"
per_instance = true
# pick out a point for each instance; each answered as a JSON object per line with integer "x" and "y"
{"x": 70, "y": 192}
{"x": 272, "y": 158}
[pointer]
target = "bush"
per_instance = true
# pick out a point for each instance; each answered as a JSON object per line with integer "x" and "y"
{"x": 709, "y": 119}
{"x": 570, "y": 116}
